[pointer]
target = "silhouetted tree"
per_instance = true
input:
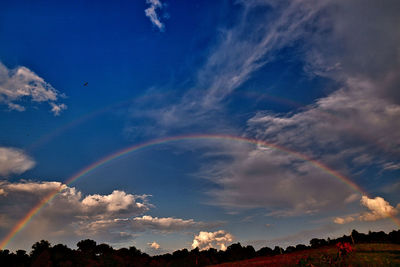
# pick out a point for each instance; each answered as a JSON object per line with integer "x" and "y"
{"x": 91, "y": 254}
{"x": 40, "y": 247}
{"x": 394, "y": 237}
{"x": 301, "y": 247}
{"x": 277, "y": 250}
{"x": 265, "y": 251}
{"x": 86, "y": 246}
{"x": 103, "y": 249}
{"x": 290, "y": 249}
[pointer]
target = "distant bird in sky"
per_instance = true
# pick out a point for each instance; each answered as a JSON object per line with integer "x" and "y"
{"x": 85, "y": 84}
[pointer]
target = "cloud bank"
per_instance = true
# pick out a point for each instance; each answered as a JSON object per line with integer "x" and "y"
{"x": 114, "y": 217}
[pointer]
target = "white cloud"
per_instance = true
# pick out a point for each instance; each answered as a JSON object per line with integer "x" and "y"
{"x": 378, "y": 208}
{"x": 167, "y": 224}
{"x": 72, "y": 216}
{"x": 340, "y": 220}
{"x": 154, "y": 245}
{"x": 57, "y": 108}
{"x": 241, "y": 50}
{"x": 21, "y": 83}
{"x": 391, "y": 166}
{"x": 116, "y": 201}
{"x": 151, "y": 13}
{"x": 219, "y": 239}
{"x": 14, "y": 161}
{"x": 69, "y": 215}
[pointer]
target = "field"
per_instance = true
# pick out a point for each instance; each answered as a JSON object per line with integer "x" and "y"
{"x": 363, "y": 255}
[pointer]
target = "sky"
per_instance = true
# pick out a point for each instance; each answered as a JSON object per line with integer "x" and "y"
{"x": 180, "y": 124}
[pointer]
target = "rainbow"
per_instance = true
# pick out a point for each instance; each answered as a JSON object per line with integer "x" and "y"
{"x": 25, "y": 220}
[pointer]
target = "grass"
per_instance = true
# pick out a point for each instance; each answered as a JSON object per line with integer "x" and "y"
{"x": 364, "y": 255}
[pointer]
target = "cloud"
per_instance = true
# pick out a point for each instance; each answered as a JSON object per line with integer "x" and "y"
{"x": 276, "y": 181}
{"x": 167, "y": 224}
{"x": 355, "y": 124}
{"x": 116, "y": 201}
{"x": 69, "y": 200}
{"x": 14, "y": 161}
{"x": 152, "y": 14}
{"x": 133, "y": 225}
{"x": 353, "y": 127}
{"x": 205, "y": 240}
{"x": 21, "y": 83}
{"x": 69, "y": 215}
{"x": 154, "y": 245}
{"x": 340, "y": 220}
{"x": 352, "y": 118}
{"x": 240, "y": 51}
{"x": 378, "y": 208}
{"x": 57, "y": 108}
{"x": 391, "y": 166}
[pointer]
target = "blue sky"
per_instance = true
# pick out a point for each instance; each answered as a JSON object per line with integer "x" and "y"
{"x": 317, "y": 78}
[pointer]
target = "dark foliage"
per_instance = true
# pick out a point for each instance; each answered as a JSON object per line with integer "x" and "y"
{"x": 89, "y": 253}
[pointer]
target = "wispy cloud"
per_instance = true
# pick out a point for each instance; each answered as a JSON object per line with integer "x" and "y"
{"x": 21, "y": 84}
{"x": 151, "y": 13}
{"x": 350, "y": 128}
{"x": 241, "y": 50}
{"x": 167, "y": 224}
{"x": 14, "y": 161}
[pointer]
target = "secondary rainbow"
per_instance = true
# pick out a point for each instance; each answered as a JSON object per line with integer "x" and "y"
{"x": 25, "y": 220}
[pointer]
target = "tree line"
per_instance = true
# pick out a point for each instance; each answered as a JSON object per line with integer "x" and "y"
{"x": 89, "y": 253}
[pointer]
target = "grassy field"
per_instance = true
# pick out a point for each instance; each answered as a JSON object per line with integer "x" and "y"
{"x": 364, "y": 255}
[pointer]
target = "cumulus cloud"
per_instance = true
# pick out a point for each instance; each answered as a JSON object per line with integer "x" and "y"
{"x": 378, "y": 208}
{"x": 69, "y": 214}
{"x": 116, "y": 201}
{"x": 206, "y": 240}
{"x": 151, "y": 13}
{"x": 154, "y": 245}
{"x": 21, "y": 83}
{"x": 14, "y": 161}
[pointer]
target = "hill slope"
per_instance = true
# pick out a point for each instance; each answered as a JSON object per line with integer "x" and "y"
{"x": 364, "y": 255}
